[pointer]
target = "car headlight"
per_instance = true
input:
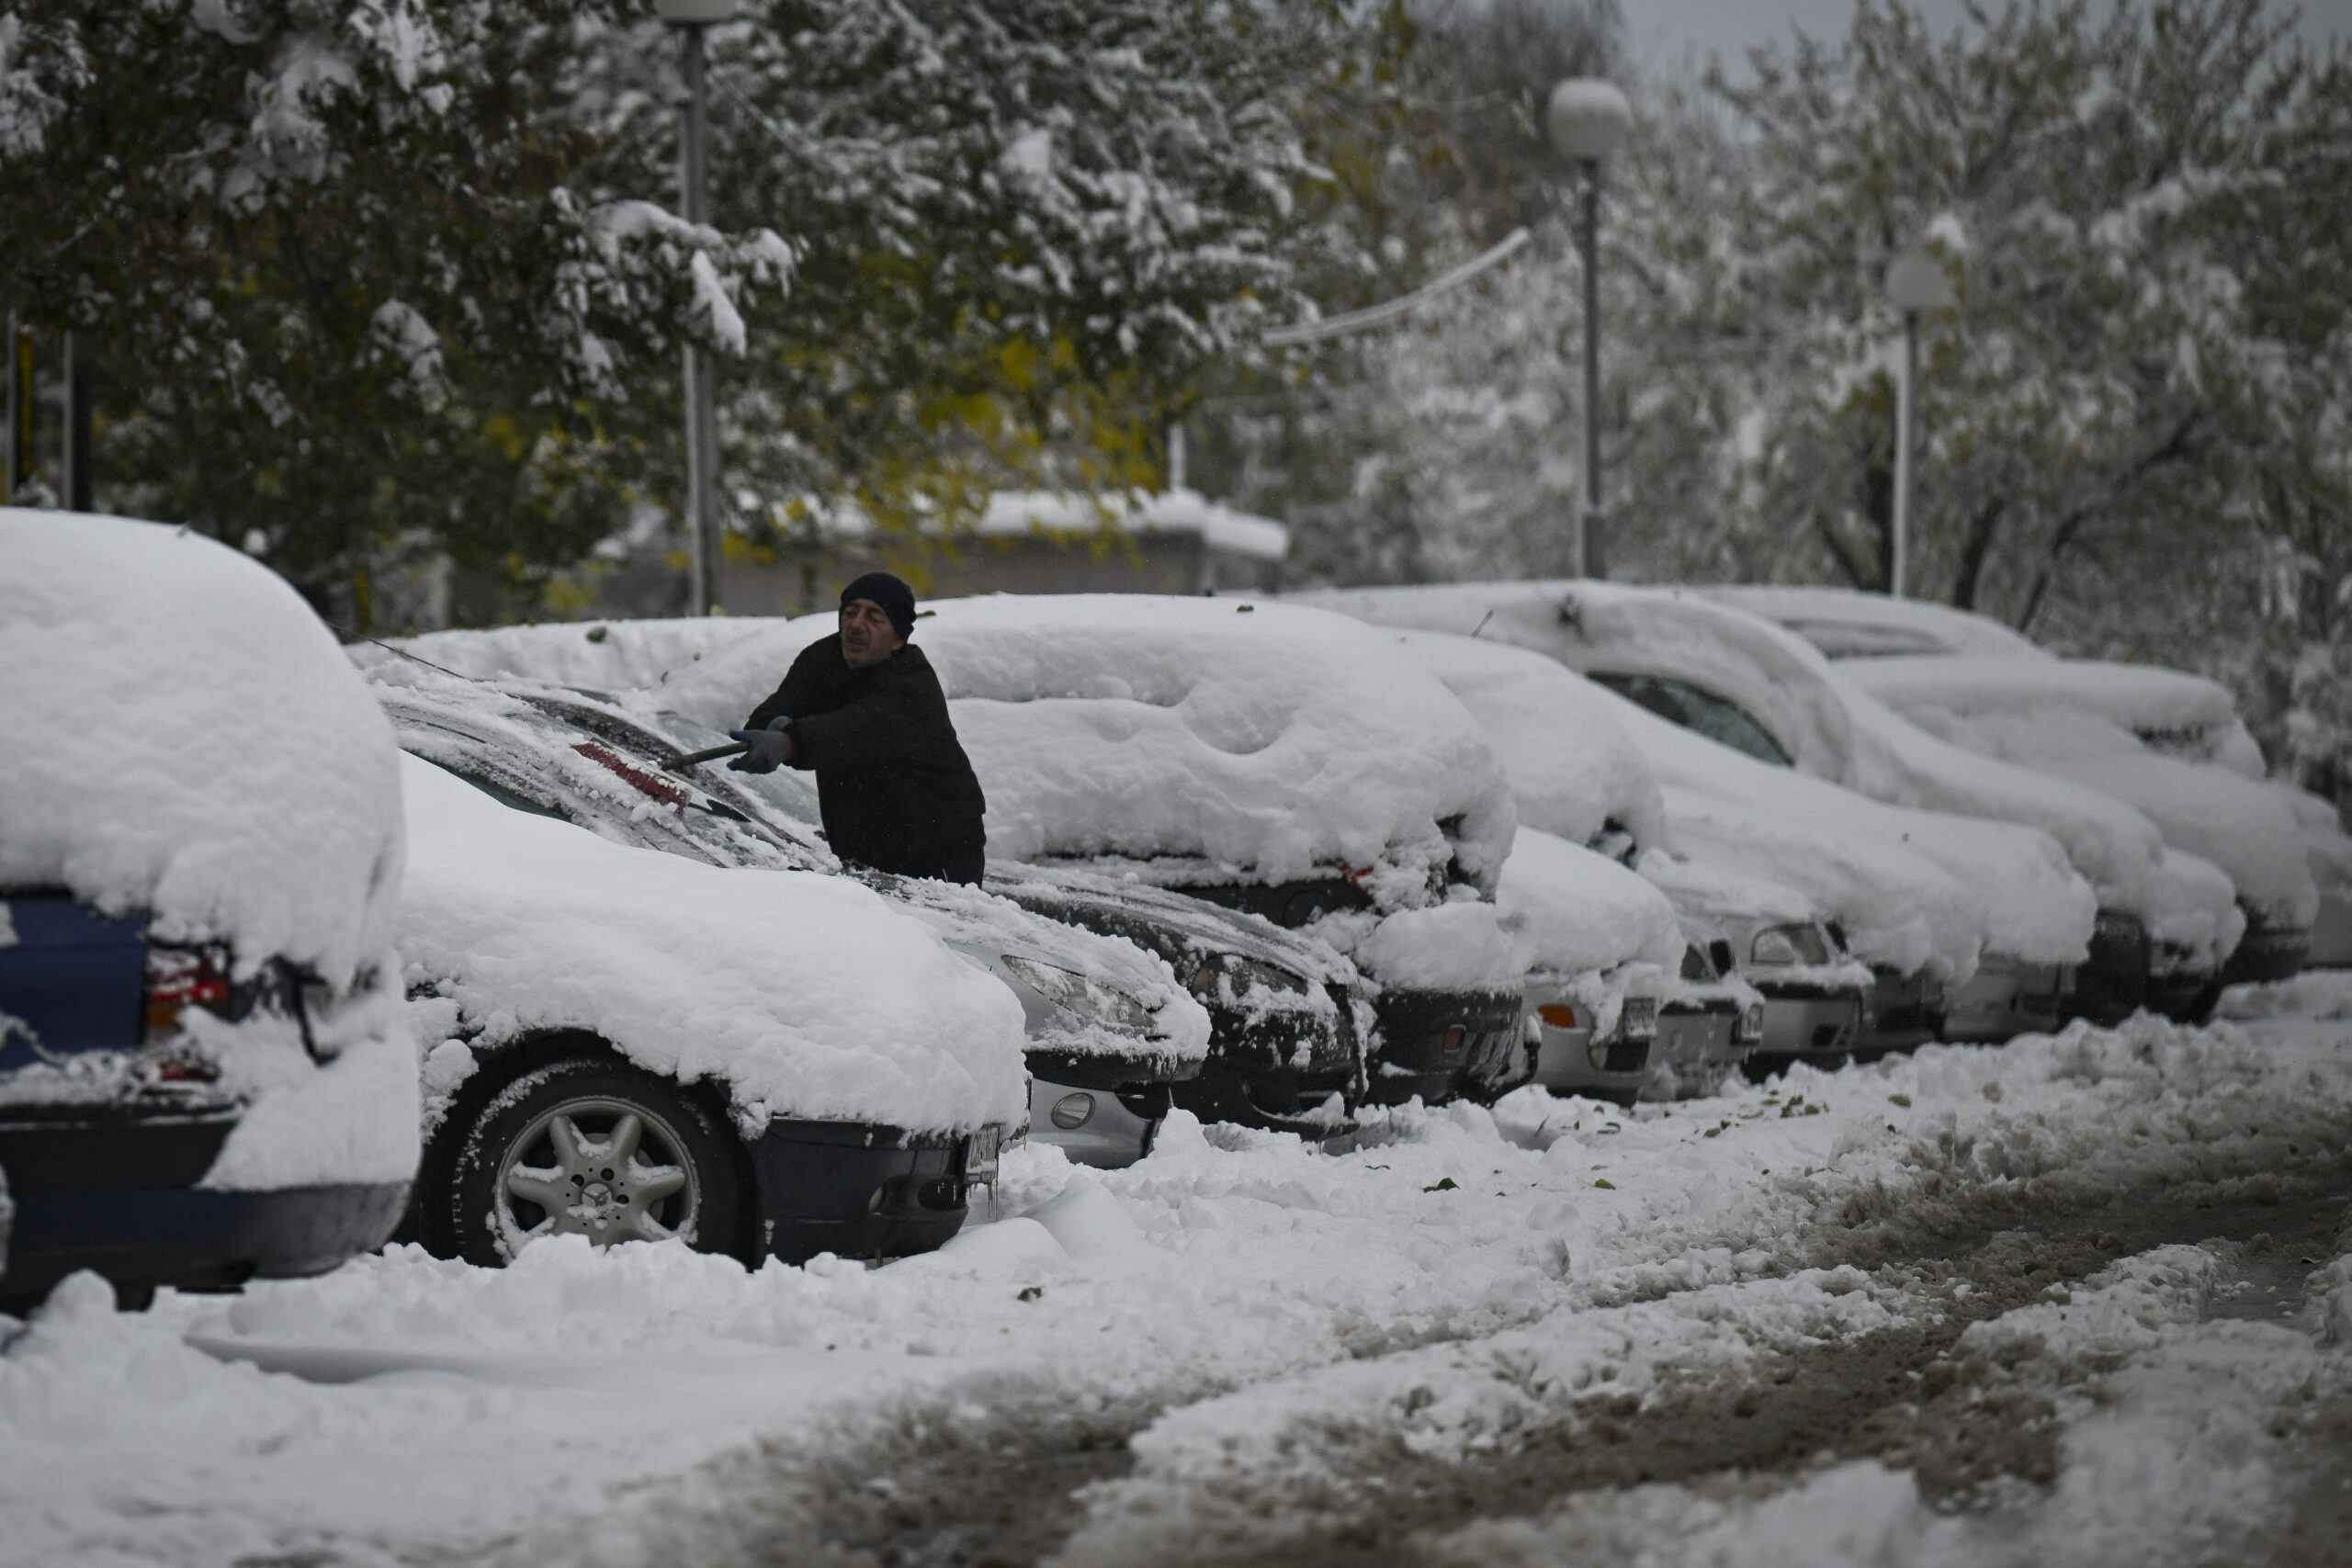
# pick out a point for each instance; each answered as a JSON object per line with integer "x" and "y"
{"x": 1227, "y": 978}
{"x": 1071, "y": 1110}
{"x": 1788, "y": 945}
{"x": 1088, "y": 999}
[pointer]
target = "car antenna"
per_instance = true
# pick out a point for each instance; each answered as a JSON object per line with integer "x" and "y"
{"x": 1483, "y": 620}
{"x": 404, "y": 653}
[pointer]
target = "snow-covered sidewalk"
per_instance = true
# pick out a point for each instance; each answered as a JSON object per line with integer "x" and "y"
{"x": 1455, "y": 1277}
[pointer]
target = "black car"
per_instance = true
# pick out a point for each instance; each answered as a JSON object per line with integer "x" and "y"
{"x": 1288, "y": 1014}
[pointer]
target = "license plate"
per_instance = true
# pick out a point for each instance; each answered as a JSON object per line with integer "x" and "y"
{"x": 979, "y": 1155}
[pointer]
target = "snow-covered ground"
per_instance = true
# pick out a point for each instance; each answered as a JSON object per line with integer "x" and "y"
{"x": 1286, "y": 1338}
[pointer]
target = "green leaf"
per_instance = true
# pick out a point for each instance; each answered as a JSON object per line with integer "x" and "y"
{"x": 1442, "y": 1184}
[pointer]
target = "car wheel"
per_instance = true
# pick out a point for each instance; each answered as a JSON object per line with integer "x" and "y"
{"x": 595, "y": 1148}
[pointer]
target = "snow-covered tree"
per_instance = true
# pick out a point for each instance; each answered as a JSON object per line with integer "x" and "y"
{"x": 346, "y": 266}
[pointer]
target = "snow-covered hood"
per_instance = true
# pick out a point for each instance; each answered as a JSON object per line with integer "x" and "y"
{"x": 1888, "y": 875}
{"x": 1574, "y": 772}
{"x": 1568, "y": 909}
{"x": 183, "y": 736}
{"x": 602, "y": 768}
{"x": 2077, "y": 721}
{"x": 806, "y": 994}
{"x": 1279, "y": 742}
{"x": 1831, "y": 728}
{"x": 1714, "y": 904}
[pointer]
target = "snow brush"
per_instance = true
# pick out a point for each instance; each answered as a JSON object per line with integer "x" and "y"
{"x": 687, "y": 759}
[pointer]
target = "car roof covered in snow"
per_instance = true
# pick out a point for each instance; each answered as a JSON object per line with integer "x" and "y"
{"x": 607, "y": 656}
{"x": 184, "y": 737}
{"x": 2142, "y": 698}
{"x": 806, "y": 995}
{"x": 1845, "y": 622}
{"x": 1999, "y": 708}
{"x": 1572, "y": 768}
{"x": 1277, "y": 741}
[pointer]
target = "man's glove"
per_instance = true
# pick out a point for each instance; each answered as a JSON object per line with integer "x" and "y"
{"x": 770, "y": 747}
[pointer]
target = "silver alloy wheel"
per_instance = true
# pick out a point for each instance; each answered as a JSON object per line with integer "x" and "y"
{"x": 599, "y": 1168}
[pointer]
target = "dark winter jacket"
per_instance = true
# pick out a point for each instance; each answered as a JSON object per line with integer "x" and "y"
{"x": 896, "y": 790}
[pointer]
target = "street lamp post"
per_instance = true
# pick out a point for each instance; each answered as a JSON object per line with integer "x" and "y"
{"x": 1915, "y": 283}
{"x": 1587, "y": 118}
{"x": 690, "y": 18}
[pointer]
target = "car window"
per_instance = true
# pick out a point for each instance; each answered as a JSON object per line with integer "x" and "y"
{"x": 1718, "y": 718}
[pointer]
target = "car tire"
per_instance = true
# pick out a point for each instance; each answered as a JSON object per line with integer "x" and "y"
{"x": 641, "y": 1157}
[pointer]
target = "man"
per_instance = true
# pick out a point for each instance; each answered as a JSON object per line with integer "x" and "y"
{"x": 864, "y": 712}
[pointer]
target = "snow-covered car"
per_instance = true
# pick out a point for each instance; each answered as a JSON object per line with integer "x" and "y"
{"x": 205, "y": 1069}
{"x": 2161, "y": 922}
{"x": 1576, "y": 769}
{"x": 1279, "y": 762}
{"x": 1288, "y": 1014}
{"x": 627, "y": 1045}
{"x": 1817, "y": 1003}
{"x": 1109, "y": 1027}
{"x": 1618, "y": 1005}
{"x": 2169, "y": 743}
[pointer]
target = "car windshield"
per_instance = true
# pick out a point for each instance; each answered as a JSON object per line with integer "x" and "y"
{"x": 1716, "y": 717}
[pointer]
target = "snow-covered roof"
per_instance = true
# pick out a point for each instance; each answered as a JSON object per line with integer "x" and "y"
{"x": 183, "y": 736}
{"x": 605, "y": 656}
{"x": 1833, "y": 729}
{"x": 2139, "y": 698}
{"x": 1846, "y": 624}
{"x": 1277, "y": 741}
{"x": 2244, "y": 826}
{"x": 1022, "y": 514}
{"x": 806, "y": 995}
{"x": 1572, "y": 767}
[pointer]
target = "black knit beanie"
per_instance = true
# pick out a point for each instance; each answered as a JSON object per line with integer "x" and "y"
{"x": 897, "y": 600}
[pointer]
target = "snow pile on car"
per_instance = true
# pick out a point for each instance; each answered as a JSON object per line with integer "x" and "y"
{"x": 1890, "y": 876}
{"x": 1830, "y": 728}
{"x": 1569, "y": 909}
{"x": 2078, "y": 721}
{"x": 607, "y": 656}
{"x": 1279, "y": 741}
{"x": 1573, "y": 771}
{"x": 806, "y": 995}
{"x": 183, "y": 736}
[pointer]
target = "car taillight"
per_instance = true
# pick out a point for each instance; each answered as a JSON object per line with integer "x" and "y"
{"x": 1559, "y": 1015}
{"x": 1455, "y": 1038}
{"x": 177, "y": 979}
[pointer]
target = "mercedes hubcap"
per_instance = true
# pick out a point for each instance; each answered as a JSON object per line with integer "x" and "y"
{"x": 602, "y": 1169}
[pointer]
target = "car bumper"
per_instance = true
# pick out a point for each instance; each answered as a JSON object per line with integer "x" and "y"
{"x": 2004, "y": 998}
{"x": 114, "y": 1190}
{"x": 1906, "y": 1012}
{"x": 1809, "y": 1025}
{"x": 856, "y": 1192}
{"x": 2266, "y": 952}
{"x": 1111, "y": 1129}
{"x": 1694, "y": 1049}
{"x": 1433, "y": 1043}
